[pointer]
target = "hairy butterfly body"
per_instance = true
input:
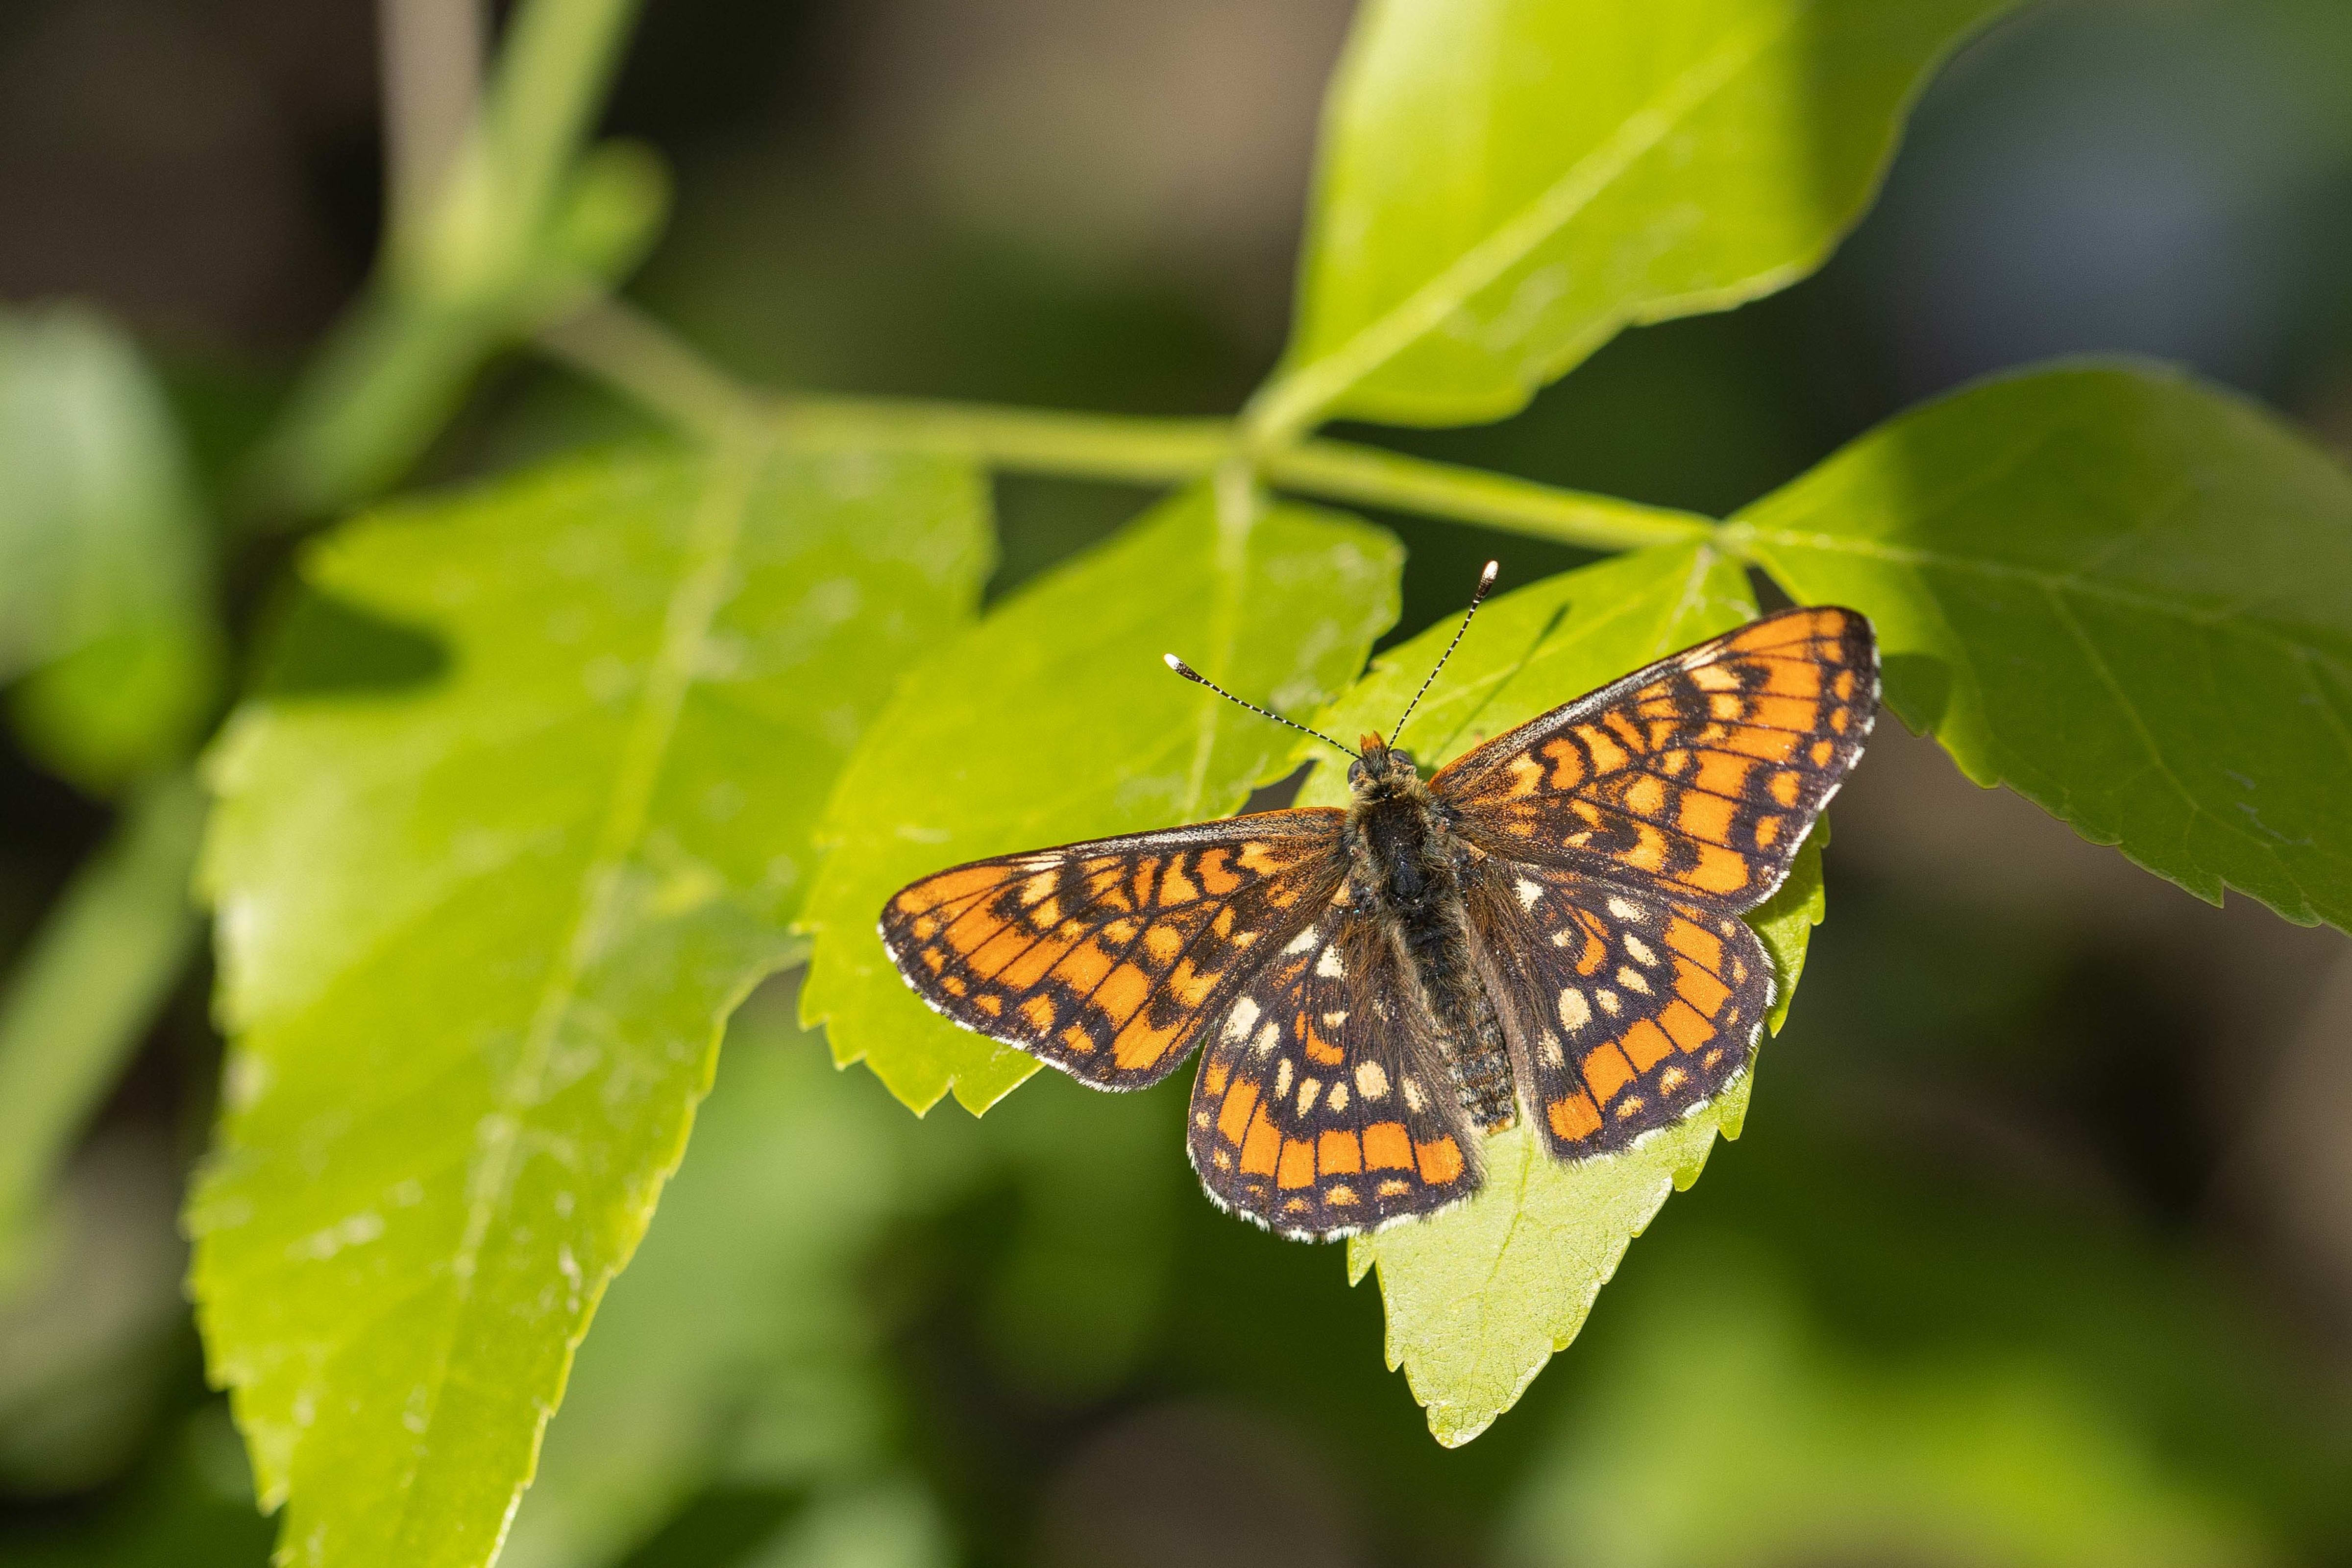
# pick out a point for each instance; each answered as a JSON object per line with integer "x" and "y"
{"x": 1548, "y": 927}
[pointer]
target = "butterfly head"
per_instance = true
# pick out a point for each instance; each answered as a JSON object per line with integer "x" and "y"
{"x": 1382, "y": 770}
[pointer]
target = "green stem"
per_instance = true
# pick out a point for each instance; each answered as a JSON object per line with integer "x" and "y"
{"x": 1372, "y": 477}
{"x": 1024, "y": 440}
{"x": 641, "y": 359}
{"x": 632, "y": 354}
{"x": 84, "y": 992}
{"x": 453, "y": 282}
{"x": 554, "y": 67}
{"x": 430, "y": 54}
{"x": 1172, "y": 451}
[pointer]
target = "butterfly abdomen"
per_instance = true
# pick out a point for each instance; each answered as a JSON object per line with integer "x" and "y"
{"x": 1405, "y": 870}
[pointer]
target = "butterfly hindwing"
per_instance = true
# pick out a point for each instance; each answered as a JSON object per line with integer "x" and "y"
{"x": 1102, "y": 957}
{"x": 1320, "y": 1111}
{"x": 1699, "y": 775}
{"x": 1626, "y": 1011}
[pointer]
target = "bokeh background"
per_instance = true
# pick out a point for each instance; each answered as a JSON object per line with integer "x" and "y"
{"x": 2038, "y": 1248}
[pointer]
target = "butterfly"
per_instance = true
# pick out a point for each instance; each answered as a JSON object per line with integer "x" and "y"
{"x": 1548, "y": 926}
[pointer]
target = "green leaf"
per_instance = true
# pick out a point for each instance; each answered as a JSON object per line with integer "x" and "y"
{"x": 2124, "y": 595}
{"x": 106, "y": 584}
{"x": 1480, "y": 1296}
{"x": 742, "y": 1313}
{"x": 479, "y": 937}
{"x": 1507, "y": 183}
{"x": 1055, "y": 721}
{"x": 86, "y": 989}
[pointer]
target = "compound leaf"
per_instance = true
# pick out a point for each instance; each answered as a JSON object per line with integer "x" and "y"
{"x": 1055, "y": 720}
{"x": 478, "y": 935}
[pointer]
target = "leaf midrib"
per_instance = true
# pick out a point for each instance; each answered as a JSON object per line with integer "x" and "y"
{"x": 693, "y": 605}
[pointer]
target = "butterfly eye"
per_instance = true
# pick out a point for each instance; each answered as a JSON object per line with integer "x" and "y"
{"x": 1356, "y": 772}
{"x": 1401, "y": 762}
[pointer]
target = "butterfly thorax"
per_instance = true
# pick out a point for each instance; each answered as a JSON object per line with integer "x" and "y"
{"x": 1406, "y": 867}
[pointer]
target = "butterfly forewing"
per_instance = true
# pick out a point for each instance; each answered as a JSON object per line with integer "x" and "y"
{"x": 1102, "y": 957}
{"x": 1320, "y": 1110}
{"x": 1625, "y": 1012}
{"x": 1698, "y": 775}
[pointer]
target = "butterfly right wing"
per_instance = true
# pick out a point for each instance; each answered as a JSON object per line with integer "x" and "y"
{"x": 1700, "y": 774}
{"x": 1320, "y": 1111}
{"x": 1627, "y": 1010}
{"x": 1103, "y": 957}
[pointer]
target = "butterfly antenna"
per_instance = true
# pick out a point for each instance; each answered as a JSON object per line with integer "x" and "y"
{"x": 1485, "y": 581}
{"x": 1190, "y": 673}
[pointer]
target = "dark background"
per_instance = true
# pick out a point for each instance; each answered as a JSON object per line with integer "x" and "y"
{"x": 2050, "y": 1177}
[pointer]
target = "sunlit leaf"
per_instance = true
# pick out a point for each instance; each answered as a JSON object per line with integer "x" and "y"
{"x": 1480, "y": 1296}
{"x": 106, "y": 574}
{"x": 1507, "y": 183}
{"x": 743, "y": 1311}
{"x": 1055, "y": 720}
{"x": 2124, "y": 595}
{"x": 479, "y": 934}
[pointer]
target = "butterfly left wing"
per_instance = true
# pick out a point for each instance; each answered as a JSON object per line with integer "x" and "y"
{"x": 1625, "y": 1012}
{"x": 1320, "y": 1110}
{"x": 1700, "y": 774}
{"x": 1102, "y": 957}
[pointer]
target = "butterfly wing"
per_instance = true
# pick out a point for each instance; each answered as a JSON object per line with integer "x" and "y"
{"x": 1700, "y": 774}
{"x": 1103, "y": 957}
{"x": 1320, "y": 1110}
{"x": 1625, "y": 1012}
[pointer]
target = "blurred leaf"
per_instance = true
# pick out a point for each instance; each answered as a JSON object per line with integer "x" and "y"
{"x": 894, "y": 1524}
{"x": 2124, "y": 595}
{"x": 105, "y": 555}
{"x": 1480, "y": 1296}
{"x": 1719, "y": 1436}
{"x": 479, "y": 938}
{"x": 743, "y": 1305}
{"x": 82, "y": 995}
{"x": 1507, "y": 183}
{"x": 1056, "y": 721}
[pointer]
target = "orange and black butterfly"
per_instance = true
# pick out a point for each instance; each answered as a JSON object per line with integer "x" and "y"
{"x": 1549, "y": 926}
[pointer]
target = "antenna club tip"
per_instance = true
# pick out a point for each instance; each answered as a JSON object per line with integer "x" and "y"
{"x": 1180, "y": 666}
{"x": 1487, "y": 578}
